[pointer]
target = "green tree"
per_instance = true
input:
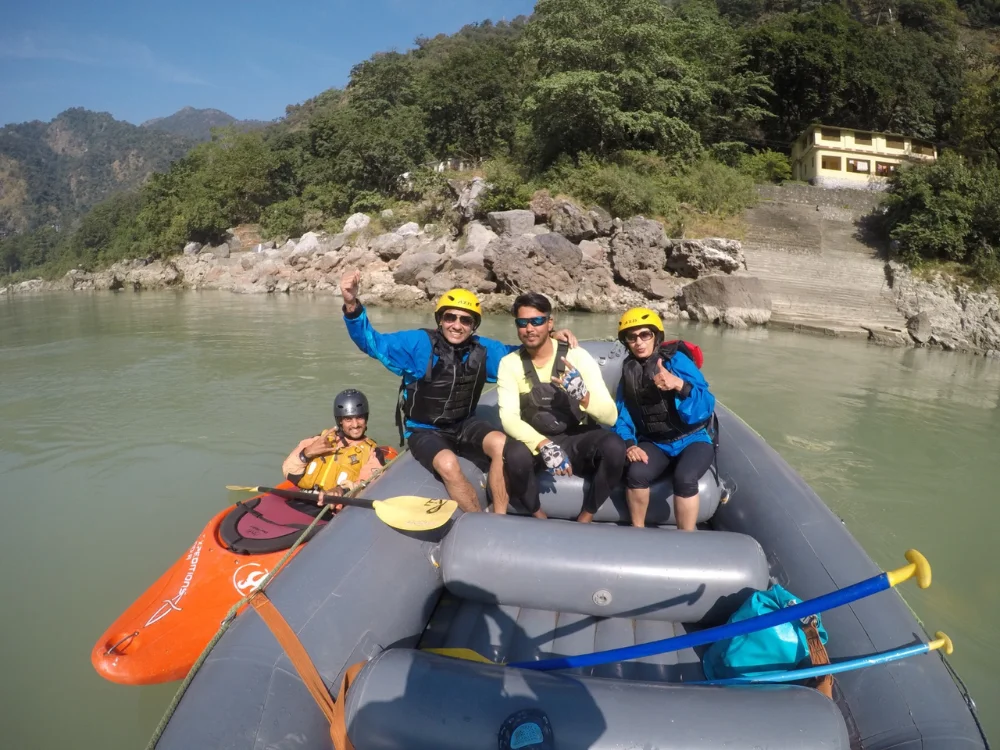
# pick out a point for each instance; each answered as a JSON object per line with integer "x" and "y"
{"x": 470, "y": 88}
{"x": 609, "y": 79}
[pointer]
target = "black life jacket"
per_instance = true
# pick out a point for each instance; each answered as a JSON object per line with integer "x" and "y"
{"x": 654, "y": 411}
{"x": 450, "y": 389}
{"x": 545, "y": 407}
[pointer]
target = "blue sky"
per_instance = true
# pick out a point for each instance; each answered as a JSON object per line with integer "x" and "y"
{"x": 139, "y": 60}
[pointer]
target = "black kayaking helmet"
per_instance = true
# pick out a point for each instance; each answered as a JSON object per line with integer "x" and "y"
{"x": 350, "y": 403}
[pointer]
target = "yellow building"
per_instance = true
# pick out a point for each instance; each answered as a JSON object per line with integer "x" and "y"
{"x": 843, "y": 157}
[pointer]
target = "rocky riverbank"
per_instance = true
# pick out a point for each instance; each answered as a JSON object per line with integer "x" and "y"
{"x": 584, "y": 259}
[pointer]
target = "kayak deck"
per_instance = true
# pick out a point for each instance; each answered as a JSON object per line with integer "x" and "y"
{"x": 508, "y": 633}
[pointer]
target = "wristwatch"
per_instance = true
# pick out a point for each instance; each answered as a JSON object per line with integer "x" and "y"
{"x": 302, "y": 456}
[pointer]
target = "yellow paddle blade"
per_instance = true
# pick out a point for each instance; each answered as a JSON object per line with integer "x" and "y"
{"x": 411, "y": 513}
{"x": 460, "y": 653}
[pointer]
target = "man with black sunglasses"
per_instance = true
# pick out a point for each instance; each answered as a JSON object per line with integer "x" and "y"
{"x": 443, "y": 374}
{"x": 555, "y": 401}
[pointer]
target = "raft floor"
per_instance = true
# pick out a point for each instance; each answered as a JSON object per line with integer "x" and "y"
{"x": 510, "y": 633}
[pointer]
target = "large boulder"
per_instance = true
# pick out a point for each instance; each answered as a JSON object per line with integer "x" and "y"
{"x": 638, "y": 253}
{"x": 469, "y": 195}
{"x": 410, "y": 228}
{"x": 218, "y": 251}
{"x": 943, "y": 312}
{"x": 389, "y": 246}
{"x": 921, "y": 327}
{"x": 192, "y": 248}
{"x": 471, "y": 259}
{"x": 541, "y": 205}
{"x": 417, "y": 267}
{"x": 554, "y": 266}
{"x": 511, "y": 223}
{"x": 736, "y": 301}
{"x": 604, "y": 225}
{"x": 571, "y": 222}
{"x": 466, "y": 278}
{"x": 694, "y": 258}
{"x": 593, "y": 249}
{"x": 478, "y": 236}
{"x": 356, "y": 223}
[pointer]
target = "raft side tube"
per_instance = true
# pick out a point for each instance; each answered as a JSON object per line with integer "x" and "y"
{"x": 423, "y": 701}
{"x": 692, "y": 577}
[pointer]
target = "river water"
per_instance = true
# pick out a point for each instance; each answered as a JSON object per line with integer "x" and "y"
{"x": 123, "y": 417}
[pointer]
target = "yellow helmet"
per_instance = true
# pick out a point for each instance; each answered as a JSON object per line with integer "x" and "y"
{"x": 460, "y": 299}
{"x": 639, "y": 316}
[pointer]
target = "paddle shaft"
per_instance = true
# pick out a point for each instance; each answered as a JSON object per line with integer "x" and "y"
{"x": 312, "y": 497}
{"x": 824, "y": 669}
{"x": 834, "y": 599}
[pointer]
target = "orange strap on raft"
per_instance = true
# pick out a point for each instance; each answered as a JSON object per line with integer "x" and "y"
{"x": 819, "y": 657}
{"x": 332, "y": 709}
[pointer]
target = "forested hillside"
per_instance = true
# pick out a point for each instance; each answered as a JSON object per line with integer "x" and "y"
{"x": 197, "y": 124}
{"x": 670, "y": 110}
{"x": 52, "y": 172}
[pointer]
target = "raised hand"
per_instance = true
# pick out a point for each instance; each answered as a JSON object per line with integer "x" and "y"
{"x": 350, "y": 284}
{"x": 322, "y": 445}
{"x": 571, "y": 381}
{"x": 666, "y": 380}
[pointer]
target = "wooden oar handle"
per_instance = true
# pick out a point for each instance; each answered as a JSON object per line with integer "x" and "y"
{"x": 312, "y": 497}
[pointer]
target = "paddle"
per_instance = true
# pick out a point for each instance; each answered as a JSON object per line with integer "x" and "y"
{"x": 942, "y": 641}
{"x": 918, "y": 567}
{"x": 794, "y": 675}
{"x": 406, "y": 512}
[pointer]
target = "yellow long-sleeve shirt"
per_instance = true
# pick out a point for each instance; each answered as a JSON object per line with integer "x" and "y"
{"x": 511, "y": 383}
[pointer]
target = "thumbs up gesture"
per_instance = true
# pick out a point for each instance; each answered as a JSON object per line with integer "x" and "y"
{"x": 665, "y": 380}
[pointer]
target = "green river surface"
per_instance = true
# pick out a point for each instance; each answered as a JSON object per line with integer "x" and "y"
{"x": 123, "y": 416}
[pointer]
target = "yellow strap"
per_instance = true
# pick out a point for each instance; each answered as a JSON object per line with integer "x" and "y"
{"x": 332, "y": 709}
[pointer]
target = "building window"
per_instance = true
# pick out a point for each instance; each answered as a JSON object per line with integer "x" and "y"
{"x": 891, "y": 142}
{"x": 829, "y": 134}
{"x": 884, "y": 168}
{"x": 863, "y": 139}
{"x": 861, "y": 166}
{"x": 923, "y": 148}
{"x": 832, "y": 163}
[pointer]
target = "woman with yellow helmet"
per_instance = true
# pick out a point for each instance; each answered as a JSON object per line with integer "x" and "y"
{"x": 443, "y": 371}
{"x": 665, "y": 416}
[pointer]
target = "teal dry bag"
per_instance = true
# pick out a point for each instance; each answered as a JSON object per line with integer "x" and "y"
{"x": 776, "y": 649}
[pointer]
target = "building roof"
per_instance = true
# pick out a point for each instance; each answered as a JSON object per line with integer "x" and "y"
{"x": 864, "y": 130}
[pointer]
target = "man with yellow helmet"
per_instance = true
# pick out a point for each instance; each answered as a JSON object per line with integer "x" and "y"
{"x": 443, "y": 374}
{"x": 665, "y": 414}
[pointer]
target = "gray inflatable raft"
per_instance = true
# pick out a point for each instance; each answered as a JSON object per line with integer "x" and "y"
{"x": 515, "y": 588}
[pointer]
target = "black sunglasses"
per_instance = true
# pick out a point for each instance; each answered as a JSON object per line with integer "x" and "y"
{"x": 465, "y": 320}
{"x": 535, "y": 321}
{"x": 639, "y": 336}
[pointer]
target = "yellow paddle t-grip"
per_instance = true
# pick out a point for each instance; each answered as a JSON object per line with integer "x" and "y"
{"x": 941, "y": 640}
{"x": 918, "y": 566}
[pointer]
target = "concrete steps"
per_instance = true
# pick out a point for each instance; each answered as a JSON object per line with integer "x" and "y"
{"x": 813, "y": 261}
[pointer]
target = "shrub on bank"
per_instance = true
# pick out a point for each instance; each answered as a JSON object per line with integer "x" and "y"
{"x": 946, "y": 211}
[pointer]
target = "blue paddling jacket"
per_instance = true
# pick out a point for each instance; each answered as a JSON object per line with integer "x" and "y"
{"x": 671, "y": 420}
{"x": 441, "y": 383}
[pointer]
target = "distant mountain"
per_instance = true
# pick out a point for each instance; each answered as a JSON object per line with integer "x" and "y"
{"x": 197, "y": 124}
{"x": 50, "y": 173}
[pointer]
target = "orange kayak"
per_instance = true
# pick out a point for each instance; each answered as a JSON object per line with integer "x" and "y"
{"x": 163, "y": 633}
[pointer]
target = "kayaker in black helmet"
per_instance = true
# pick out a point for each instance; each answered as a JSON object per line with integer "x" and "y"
{"x": 665, "y": 416}
{"x": 443, "y": 373}
{"x": 554, "y": 401}
{"x": 340, "y": 458}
